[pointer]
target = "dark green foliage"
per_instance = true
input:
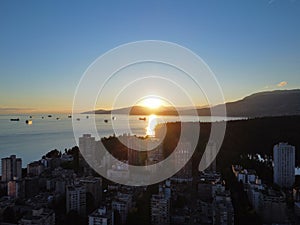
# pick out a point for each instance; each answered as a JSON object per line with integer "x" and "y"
{"x": 53, "y": 154}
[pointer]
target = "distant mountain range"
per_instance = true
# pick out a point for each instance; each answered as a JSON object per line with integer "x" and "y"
{"x": 269, "y": 103}
{"x": 262, "y": 104}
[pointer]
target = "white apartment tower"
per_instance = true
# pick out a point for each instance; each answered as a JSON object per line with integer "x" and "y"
{"x": 284, "y": 164}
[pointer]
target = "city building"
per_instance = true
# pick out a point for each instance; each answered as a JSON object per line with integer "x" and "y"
{"x": 296, "y": 194}
{"x": 182, "y": 160}
{"x": 35, "y": 168}
{"x": 160, "y": 206}
{"x": 155, "y": 153}
{"x": 38, "y": 216}
{"x": 11, "y": 168}
{"x": 66, "y": 158}
{"x": 154, "y": 156}
{"x": 297, "y": 209}
{"x": 273, "y": 207}
{"x": 93, "y": 186}
{"x": 122, "y": 204}
{"x": 87, "y": 144}
{"x": 254, "y": 192}
{"x": 223, "y": 213}
{"x": 244, "y": 175}
{"x": 118, "y": 171}
{"x": 207, "y": 184}
{"x": 136, "y": 149}
{"x": 284, "y": 165}
{"x": 102, "y": 216}
{"x": 76, "y": 199}
{"x": 60, "y": 186}
{"x": 16, "y": 188}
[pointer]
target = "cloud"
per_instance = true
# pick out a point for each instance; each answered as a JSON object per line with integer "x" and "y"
{"x": 13, "y": 108}
{"x": 6, "y": 110}
{"x": 271, "y": 2}
{"x": 282, "y": 84}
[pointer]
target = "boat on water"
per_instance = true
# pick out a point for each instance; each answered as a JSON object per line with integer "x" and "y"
{"x": 57, "y": 118}
{"x": 69, "y": 116}
{"x": 106, "y": 121}
{"x": 15, "y": 119}
{"x": 29, "y": 122}
{"x": 114, "y": 118}
{"x": 49, "y": 115}
{"x": 87, "y": 117}
{"x": 142, "y": 118}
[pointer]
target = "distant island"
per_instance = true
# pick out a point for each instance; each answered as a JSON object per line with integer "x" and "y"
{"x": 262, "y": 104}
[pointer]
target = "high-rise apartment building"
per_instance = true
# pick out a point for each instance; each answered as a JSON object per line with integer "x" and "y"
{"x": 122, "y": 204}
{"x": 93, "y": 186}
{"x": 76, "y": 199}
{"x": 284, "y": 164}
{"x": 11, "y": 168}
{"x": 182, "y": 160}
{"x": 160, "y": 207}
{"x": 87, "y": 144}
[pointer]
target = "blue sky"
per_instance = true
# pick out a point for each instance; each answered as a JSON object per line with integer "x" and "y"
{"x": 45, "y": 46}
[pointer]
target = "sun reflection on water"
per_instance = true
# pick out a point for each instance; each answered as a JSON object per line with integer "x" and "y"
{"x": 152, "y": 122}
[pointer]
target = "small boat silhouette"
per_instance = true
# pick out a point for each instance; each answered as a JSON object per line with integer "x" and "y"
{"x": 29, "y": 122}
{"x": 106, "y": 121}
{"x": 49, "y": 115}
{"x": 142, "y": 118}
{"x": 15, "y": 119}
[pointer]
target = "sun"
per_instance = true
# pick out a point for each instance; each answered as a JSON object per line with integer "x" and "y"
{"x": 152, "y": 102}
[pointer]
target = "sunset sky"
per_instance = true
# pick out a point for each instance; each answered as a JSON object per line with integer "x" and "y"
{"x": 46, "y": 46}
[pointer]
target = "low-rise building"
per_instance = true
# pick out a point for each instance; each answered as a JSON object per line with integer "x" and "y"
{"x": 35, "y": 168}
{"x": 101, "y": 216}
{"x": 38, "y": 217}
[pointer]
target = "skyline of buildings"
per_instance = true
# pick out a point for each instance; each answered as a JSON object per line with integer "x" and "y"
{"x": 116, "y": 203}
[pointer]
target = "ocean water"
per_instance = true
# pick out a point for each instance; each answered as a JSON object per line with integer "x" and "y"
{"x": 31, "y": 142}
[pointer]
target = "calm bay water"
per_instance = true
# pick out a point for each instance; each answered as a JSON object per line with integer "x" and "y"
{"x": 31, "y": 142}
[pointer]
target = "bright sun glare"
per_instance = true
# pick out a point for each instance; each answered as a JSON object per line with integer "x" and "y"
{"x": 152, "y": 102}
